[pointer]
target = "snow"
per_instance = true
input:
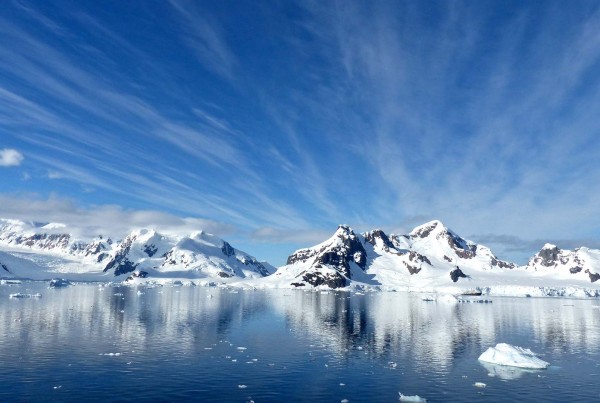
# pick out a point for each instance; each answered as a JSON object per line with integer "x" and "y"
{"x": 506, "y": 354}
{"x": 418, "y": 262}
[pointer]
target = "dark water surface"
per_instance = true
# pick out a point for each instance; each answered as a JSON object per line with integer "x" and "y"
{"x": 87, "y": 343}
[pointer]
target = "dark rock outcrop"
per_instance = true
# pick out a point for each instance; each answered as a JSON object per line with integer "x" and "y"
{"x": 372, "y": 237}
{"x": 456, "y": 274}
{"x": 548, "y": 255}
{"x": 593, "y": 276}
{"x": 150, "y": 250}
{"x": 332, "y": 280}
{"x": 227, "y": 249}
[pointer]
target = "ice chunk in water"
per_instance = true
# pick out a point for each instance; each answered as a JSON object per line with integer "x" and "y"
{"x": 505, "y": 354}
{"x": 415, "y": 398}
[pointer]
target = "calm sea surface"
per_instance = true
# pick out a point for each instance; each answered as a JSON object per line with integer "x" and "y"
{"x": 87, "y": 342}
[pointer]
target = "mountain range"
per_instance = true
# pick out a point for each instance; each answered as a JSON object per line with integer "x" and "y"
{"x": 430, "y": 258}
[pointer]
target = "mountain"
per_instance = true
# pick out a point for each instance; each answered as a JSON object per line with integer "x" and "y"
{"x": 582, "y": 263}
{"x": 431, "y": 257}
{"x": 37, "y": 250}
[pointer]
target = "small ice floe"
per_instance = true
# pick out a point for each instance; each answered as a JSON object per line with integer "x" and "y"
{"x": 118, "y": 294}
{"x": 242, "y": 348}
{"x": 59, "y": 282}
{"x": 20, "y": 295}
{"x": 342, "y": 384}
{"x": 111, "y": 354}
{"x": 474, "y": 301}
{"x": 479, "y": 385}
{"x": 505, "y": 354}
{"x": 9, "y": 282}
{"x": 57, "y": 387}
{"x": 234, "y": 360}
{"x": 242, "y": 386}
{"x": 208, "y": 348}
{"x": 344, "y": 401}
{"x": 140, "y": 292}
{"x": 440, "y": 298}
{"x": 415, "y": 398}
{"x": 392, "y": 365}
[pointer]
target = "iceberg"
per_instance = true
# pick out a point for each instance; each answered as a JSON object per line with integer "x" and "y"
{"x": 415, "y": 398}
{"x": 513, "y": 356}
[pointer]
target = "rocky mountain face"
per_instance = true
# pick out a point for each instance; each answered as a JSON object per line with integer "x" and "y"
{"x": 141, "y": 252}
{"x": 581, "y": 262}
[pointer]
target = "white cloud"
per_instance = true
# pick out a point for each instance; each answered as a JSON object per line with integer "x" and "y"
{"x": 10, "y": 157}
{"x": 115, "y": 221}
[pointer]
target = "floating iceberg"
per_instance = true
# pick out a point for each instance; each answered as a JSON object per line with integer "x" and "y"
{"x": 19, "y": 295}
{"x": 513, "y": 356}
{"x": 415, "y": 398}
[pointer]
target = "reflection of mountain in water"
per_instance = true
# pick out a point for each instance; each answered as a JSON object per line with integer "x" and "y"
{"x": 376, "y": 325}
{"x": 434, "y": 334}
{"x": 117, "y": 318}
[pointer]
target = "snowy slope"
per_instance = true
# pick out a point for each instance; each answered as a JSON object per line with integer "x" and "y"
{"x": 42, "y": 251}
{"x": 433, "y": 258}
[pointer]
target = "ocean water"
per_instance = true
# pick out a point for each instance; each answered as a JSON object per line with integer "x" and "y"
{"x": 87, "y": 342}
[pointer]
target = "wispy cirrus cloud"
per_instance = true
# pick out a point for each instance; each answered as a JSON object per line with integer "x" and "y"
{"x": 205, "y": 38}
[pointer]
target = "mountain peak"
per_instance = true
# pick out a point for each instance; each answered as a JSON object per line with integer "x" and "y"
{"x": 424, "y": 230}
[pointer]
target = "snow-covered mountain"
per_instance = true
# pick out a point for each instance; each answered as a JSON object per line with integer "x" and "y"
{"x": 429, "y": 258}
{"x": 34, "y": 250}
{"x": 582, "y": 263}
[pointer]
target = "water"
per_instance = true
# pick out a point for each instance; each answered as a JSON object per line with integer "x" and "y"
{"x": 207, "y": 344}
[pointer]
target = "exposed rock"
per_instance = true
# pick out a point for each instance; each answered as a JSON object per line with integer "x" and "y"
{"x": 412, "y": 269}
{"x": 227, "y": 249}
{"x": 150, "y": 250}
{"x": 502, "y": 264}
{"x": 548, "y": 255}
{"x": 593, "y": 276}
{"x": 425, "y": 231}
{"x": 332, "y": 280}
{"x": 372, "y": 237}
{"x": 4, "y": 267}
{"x": 456, "y": 274}
{"x": 224, "y": 275}
{"x": 575, "y": 269}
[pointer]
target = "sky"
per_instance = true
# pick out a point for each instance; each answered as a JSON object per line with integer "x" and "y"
{"x": 269, "y": 123}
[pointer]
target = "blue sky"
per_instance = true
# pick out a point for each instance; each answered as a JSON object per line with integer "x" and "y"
{"x": 269, "y": 123}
